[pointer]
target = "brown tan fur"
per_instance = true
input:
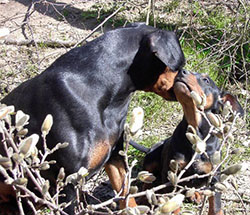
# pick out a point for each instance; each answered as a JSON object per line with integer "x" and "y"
{"x": 116, "y": 173}
{"x": 163, "y": 84}
{"x": 98, "y": 154}
{"x": 212, "y": 209}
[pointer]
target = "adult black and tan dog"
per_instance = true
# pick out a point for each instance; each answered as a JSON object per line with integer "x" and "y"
{"x": 178, "y": 147}
{"x": 87, "y": 91}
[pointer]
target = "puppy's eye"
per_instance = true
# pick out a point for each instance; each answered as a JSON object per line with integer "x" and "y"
{"x": 206, "y": 80}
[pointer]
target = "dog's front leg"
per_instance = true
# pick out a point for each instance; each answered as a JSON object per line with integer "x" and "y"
{"x": 115, "y": 168}
{"x": 215, "y": 205}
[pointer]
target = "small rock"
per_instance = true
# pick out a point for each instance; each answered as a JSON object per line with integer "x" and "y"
{"x": 246, "y": 143}
{"x": 4, "y": 32}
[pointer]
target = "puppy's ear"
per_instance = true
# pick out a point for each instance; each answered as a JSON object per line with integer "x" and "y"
{"x": 165, "y": 46}
{"x": 233, "y": 101}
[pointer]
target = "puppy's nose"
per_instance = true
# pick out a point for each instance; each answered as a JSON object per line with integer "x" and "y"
{"x": 184, "y": 72}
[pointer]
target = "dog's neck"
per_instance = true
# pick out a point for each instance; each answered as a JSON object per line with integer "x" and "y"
{"x": 180, "y": 140}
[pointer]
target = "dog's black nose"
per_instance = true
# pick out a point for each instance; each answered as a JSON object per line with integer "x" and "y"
{"x": 184, "y": 72}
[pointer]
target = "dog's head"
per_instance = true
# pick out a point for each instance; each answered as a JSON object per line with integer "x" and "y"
{"x": 157, "y": 63}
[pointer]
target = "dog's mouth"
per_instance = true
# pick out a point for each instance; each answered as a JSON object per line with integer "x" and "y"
{"x": 181, "y": 87}
{"x": 182, "y": 92}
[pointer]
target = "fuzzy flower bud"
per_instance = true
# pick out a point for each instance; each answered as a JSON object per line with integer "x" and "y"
{"x": 173, "y": 204}
{"x": 27, "y": 146}
{"x": 136, "y": 120}
{"x": 146, "y": 177}
{"x": 214, "y": 120}
{"x": 233, "y": 169}
{"x": 47, "y": 124}
{"x": 21, "y": 119}
{"x": 197, "y": 99}
{"x": 216, "y": 158}
{"x": 200, "y": 147}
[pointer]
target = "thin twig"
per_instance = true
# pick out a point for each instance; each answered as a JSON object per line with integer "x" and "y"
{"x": 241, "y": 200}
{"x": 148, "y": 12}
{"x": 100, "y": 25}
{"x": 48, "y": 43}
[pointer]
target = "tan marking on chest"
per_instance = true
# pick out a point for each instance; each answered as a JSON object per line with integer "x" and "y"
{"x": 98, "y": 154}
{"x": 205, "y": 167}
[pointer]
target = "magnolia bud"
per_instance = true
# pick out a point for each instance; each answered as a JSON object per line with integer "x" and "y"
{"x": 146, "y": 177}
{"x": 62, "y": 145}
{"x": 162, "y": 200}
{"x": 136, "y": 120}
{"x": 5, "y": 163}
{"x": 191, "y": 129}
{"x": 122, "y": 153}
{"x": 223, "y": 177}
{"x": 226, "y": 108}
{"x": 231, "y": 170}
{"x": 190, "y": 192}
{"x": 218, "y": 134}
{"x": 226, "y": 129}
{"x": 47, "y": 124}
{"x": 187, "y": 213}
{"x": 6, "y": 110}
{"x": 21, "y": 181}
{"x": 130, "y": 211}
{"x": 143, "y": 209}
{"x": 149, "y": 194}
{"x": 203, "y": 102}
{"x": 174, "y": 166}
{"x": 71, "y": 179}
{"x": 83, "y": 172}
{"x": 113, "y": 206}
{"x": 215, "y": 158}
{"x": 28, "y": 145}
{"x": 154, "y": 200}
{"x": 172, "y": 178}
{"x": 220, "y": 187}
{"x": 45, "y": 187}
{"x": 200, "y": 147}
{"x": 214, "y": 120}
{"x": 133, "y": 189}
{"x": 44, "y": 166}
{"x": 173, "y": 204}
{"x": 192, "y": 138}
{"x": 234, "y": 183}
{"x": 197, "y": 99}
{"x": 61, "y": 174}
{"x": 22, "y": 132}
{"x": 17, "y": 157}
{"x": 208, "y": 193}
{"x": 9, "y": 181}
{"x": 21, "y": 119}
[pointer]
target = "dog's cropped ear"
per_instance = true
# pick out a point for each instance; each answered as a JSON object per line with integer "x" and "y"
{"x": 165, "y": 45}
{"x": 233, "y": 101}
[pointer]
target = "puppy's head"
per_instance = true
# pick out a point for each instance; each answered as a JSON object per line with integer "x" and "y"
{"x": 209, "y": 96}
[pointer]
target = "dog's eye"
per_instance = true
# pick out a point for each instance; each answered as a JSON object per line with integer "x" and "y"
{"x": 206, "y": 80}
